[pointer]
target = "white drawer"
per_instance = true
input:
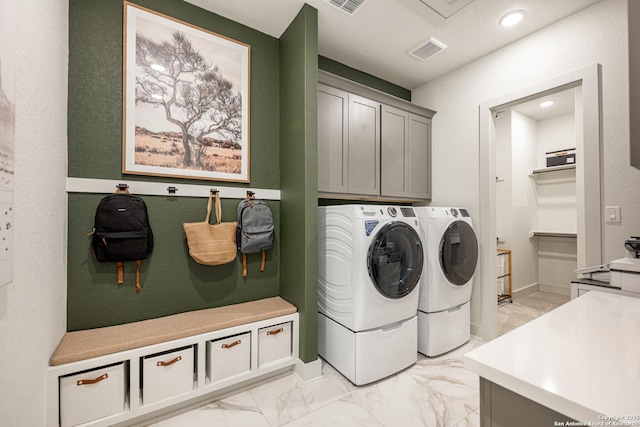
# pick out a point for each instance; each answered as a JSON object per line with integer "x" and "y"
{"x": 228, "y": 356}
{"x": 91, "y": 395}
{"x": 274, "y": 343}
{"x": 167, "y": 375}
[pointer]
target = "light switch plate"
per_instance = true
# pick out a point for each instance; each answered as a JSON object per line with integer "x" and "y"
{"x": 612, "y": 214}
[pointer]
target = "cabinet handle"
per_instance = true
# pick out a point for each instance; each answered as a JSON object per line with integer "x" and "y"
{"x": 170, "y": 362}
{"x": 275, "y": 332}
{"x": 97, "y": 380}
{"x": 233, "y": 344}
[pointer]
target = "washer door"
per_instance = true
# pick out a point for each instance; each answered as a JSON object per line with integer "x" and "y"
{"x": 395, "y": 260}
{"x": 458, "y": 252}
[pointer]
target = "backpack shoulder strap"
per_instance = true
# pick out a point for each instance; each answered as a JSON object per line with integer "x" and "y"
{"x": 244, "y": 265}
{"x": 138, "y": 264}
{"x": 120, "y": 273}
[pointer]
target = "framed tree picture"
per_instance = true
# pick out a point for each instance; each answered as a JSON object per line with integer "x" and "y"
{"x": 186, "y": 100}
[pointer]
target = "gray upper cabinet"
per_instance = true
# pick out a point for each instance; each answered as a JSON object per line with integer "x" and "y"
{"x": 395, "y": 152}
{"x": 348, "y": 143}
{"x": 333, "y": 144}
{"x": 419, "y": 158}
{"x": 405, "y": 154}
{"x": 371, "y": 146}
{"x": 364, "y": 146}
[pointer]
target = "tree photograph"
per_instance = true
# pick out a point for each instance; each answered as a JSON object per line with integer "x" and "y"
{"x": 186, "y": 100}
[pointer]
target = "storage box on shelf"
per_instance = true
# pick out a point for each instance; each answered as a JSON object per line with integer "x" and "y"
{"x": 124, "y": 381}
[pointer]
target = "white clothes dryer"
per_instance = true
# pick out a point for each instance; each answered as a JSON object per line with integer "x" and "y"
{"x": 451, "y": 256}
{"x": 370, "y": 258}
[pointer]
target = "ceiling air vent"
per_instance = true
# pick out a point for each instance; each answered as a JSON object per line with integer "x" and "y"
{"x": 350, "y": 7}
{"x": 427, "y": 48}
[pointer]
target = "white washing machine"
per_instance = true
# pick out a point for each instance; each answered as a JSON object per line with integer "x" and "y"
{"x": 451, "y": 257}
{"x": 370, "y": 259}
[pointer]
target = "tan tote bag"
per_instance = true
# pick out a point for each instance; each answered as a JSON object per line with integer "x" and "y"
{"x": 212, "y": 244}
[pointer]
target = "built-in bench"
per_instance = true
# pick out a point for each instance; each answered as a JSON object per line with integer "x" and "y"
{"x": 117, "y": 374}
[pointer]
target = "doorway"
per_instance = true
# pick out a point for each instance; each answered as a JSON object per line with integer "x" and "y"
{"x": 584, "y": 84}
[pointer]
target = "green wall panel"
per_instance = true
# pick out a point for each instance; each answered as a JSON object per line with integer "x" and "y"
{"x": 363, "y": 78}
{"x": 171, "y": 281}
{"x": 96, "y": 87}
{"x": 298, "y": 177}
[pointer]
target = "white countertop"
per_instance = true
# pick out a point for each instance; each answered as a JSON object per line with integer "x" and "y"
{"x": 581, "y": 359}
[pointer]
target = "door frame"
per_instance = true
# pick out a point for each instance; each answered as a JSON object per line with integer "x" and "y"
{"x": 588, "y": 158}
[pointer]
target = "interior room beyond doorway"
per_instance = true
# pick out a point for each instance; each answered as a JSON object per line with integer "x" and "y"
{"x": 536, "y": 207}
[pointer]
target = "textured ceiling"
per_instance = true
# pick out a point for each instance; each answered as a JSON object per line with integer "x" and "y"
{"x": 376, "y": 38}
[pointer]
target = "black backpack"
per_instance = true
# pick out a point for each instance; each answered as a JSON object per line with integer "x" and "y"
{"x": 121, "y": 231}
{"x": 255, "y": 229}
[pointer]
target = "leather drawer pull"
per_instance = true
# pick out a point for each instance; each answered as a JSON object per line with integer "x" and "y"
{"x": 275, "y": 332}
{"x": 233, "y": 344}
{"x": 97, "y": 380}
{"x": 170, "y": 362}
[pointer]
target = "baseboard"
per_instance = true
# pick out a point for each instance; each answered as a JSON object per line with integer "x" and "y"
{"x": 308, "y": 372}
{"x": 526, "y": 291}
{"x": 555, "y": 289}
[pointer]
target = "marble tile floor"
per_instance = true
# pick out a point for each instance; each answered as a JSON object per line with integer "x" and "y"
{"x": 435, "y": 392}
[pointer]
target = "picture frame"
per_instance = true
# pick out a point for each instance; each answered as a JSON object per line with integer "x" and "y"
{"x": 186, "y": 100}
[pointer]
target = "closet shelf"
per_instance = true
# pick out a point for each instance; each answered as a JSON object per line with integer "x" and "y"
{"x": 534, "y": 172}
{"x": 533, "y": 234}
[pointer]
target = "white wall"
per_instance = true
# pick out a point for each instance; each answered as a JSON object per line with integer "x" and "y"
{"x": 597, "y": 34}
{"x": 524, "y": 137}
{"x": 33, "y": 307}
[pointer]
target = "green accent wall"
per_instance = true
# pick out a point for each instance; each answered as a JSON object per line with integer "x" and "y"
{"x": 299, "y": 173}
{"x": 363, "y": 78}
{"x": 171, "y": 281}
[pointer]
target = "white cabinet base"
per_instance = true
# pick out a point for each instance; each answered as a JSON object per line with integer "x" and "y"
{"x": 127, "y": 400}
{"x": 364, "y": 357}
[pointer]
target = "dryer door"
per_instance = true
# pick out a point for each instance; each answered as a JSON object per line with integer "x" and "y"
{"x": 458, "y": 252}
{"x": 395, "y": 259}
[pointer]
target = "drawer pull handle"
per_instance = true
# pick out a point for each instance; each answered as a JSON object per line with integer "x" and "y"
{"x": 97, "y": 380}
{"x": 170, "y": 362}
{"x": 275, "y": 332}
{"x": 233, "y": 344}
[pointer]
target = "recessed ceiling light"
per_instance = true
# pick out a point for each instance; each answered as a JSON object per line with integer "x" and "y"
{"x": 156, "y": 96}
{"x": 512, "y": 18}
{"x": 158, "y": 67}
{"x": 547, "y": 103}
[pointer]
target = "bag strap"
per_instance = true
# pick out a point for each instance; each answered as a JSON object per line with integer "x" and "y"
{"x": 244, "y": 265}
{"x": 262, "y": 262}
{"x": 120, "y": 273}
{"x": 218, "y": 212}
{"x": 138, "y": 263}
{"x": 121, "y": 187}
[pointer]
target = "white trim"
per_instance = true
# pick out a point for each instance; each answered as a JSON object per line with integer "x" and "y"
{"x": 525, "y": 291}
{"x": 587, "y": 82}
{"x": 89, "y": 185}
{"x": 555, "y": 289}
{"x": 308, "y": 372}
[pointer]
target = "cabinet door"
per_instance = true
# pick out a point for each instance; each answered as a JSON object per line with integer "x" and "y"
{"x": 364, "y": 146}
{"x": 419, "y": 157}
{"x": 394, "y": 173}
{"x": 333, "y": 111}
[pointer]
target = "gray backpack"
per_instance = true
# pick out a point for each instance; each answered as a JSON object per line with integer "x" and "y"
{"x": 255, "y": 229}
